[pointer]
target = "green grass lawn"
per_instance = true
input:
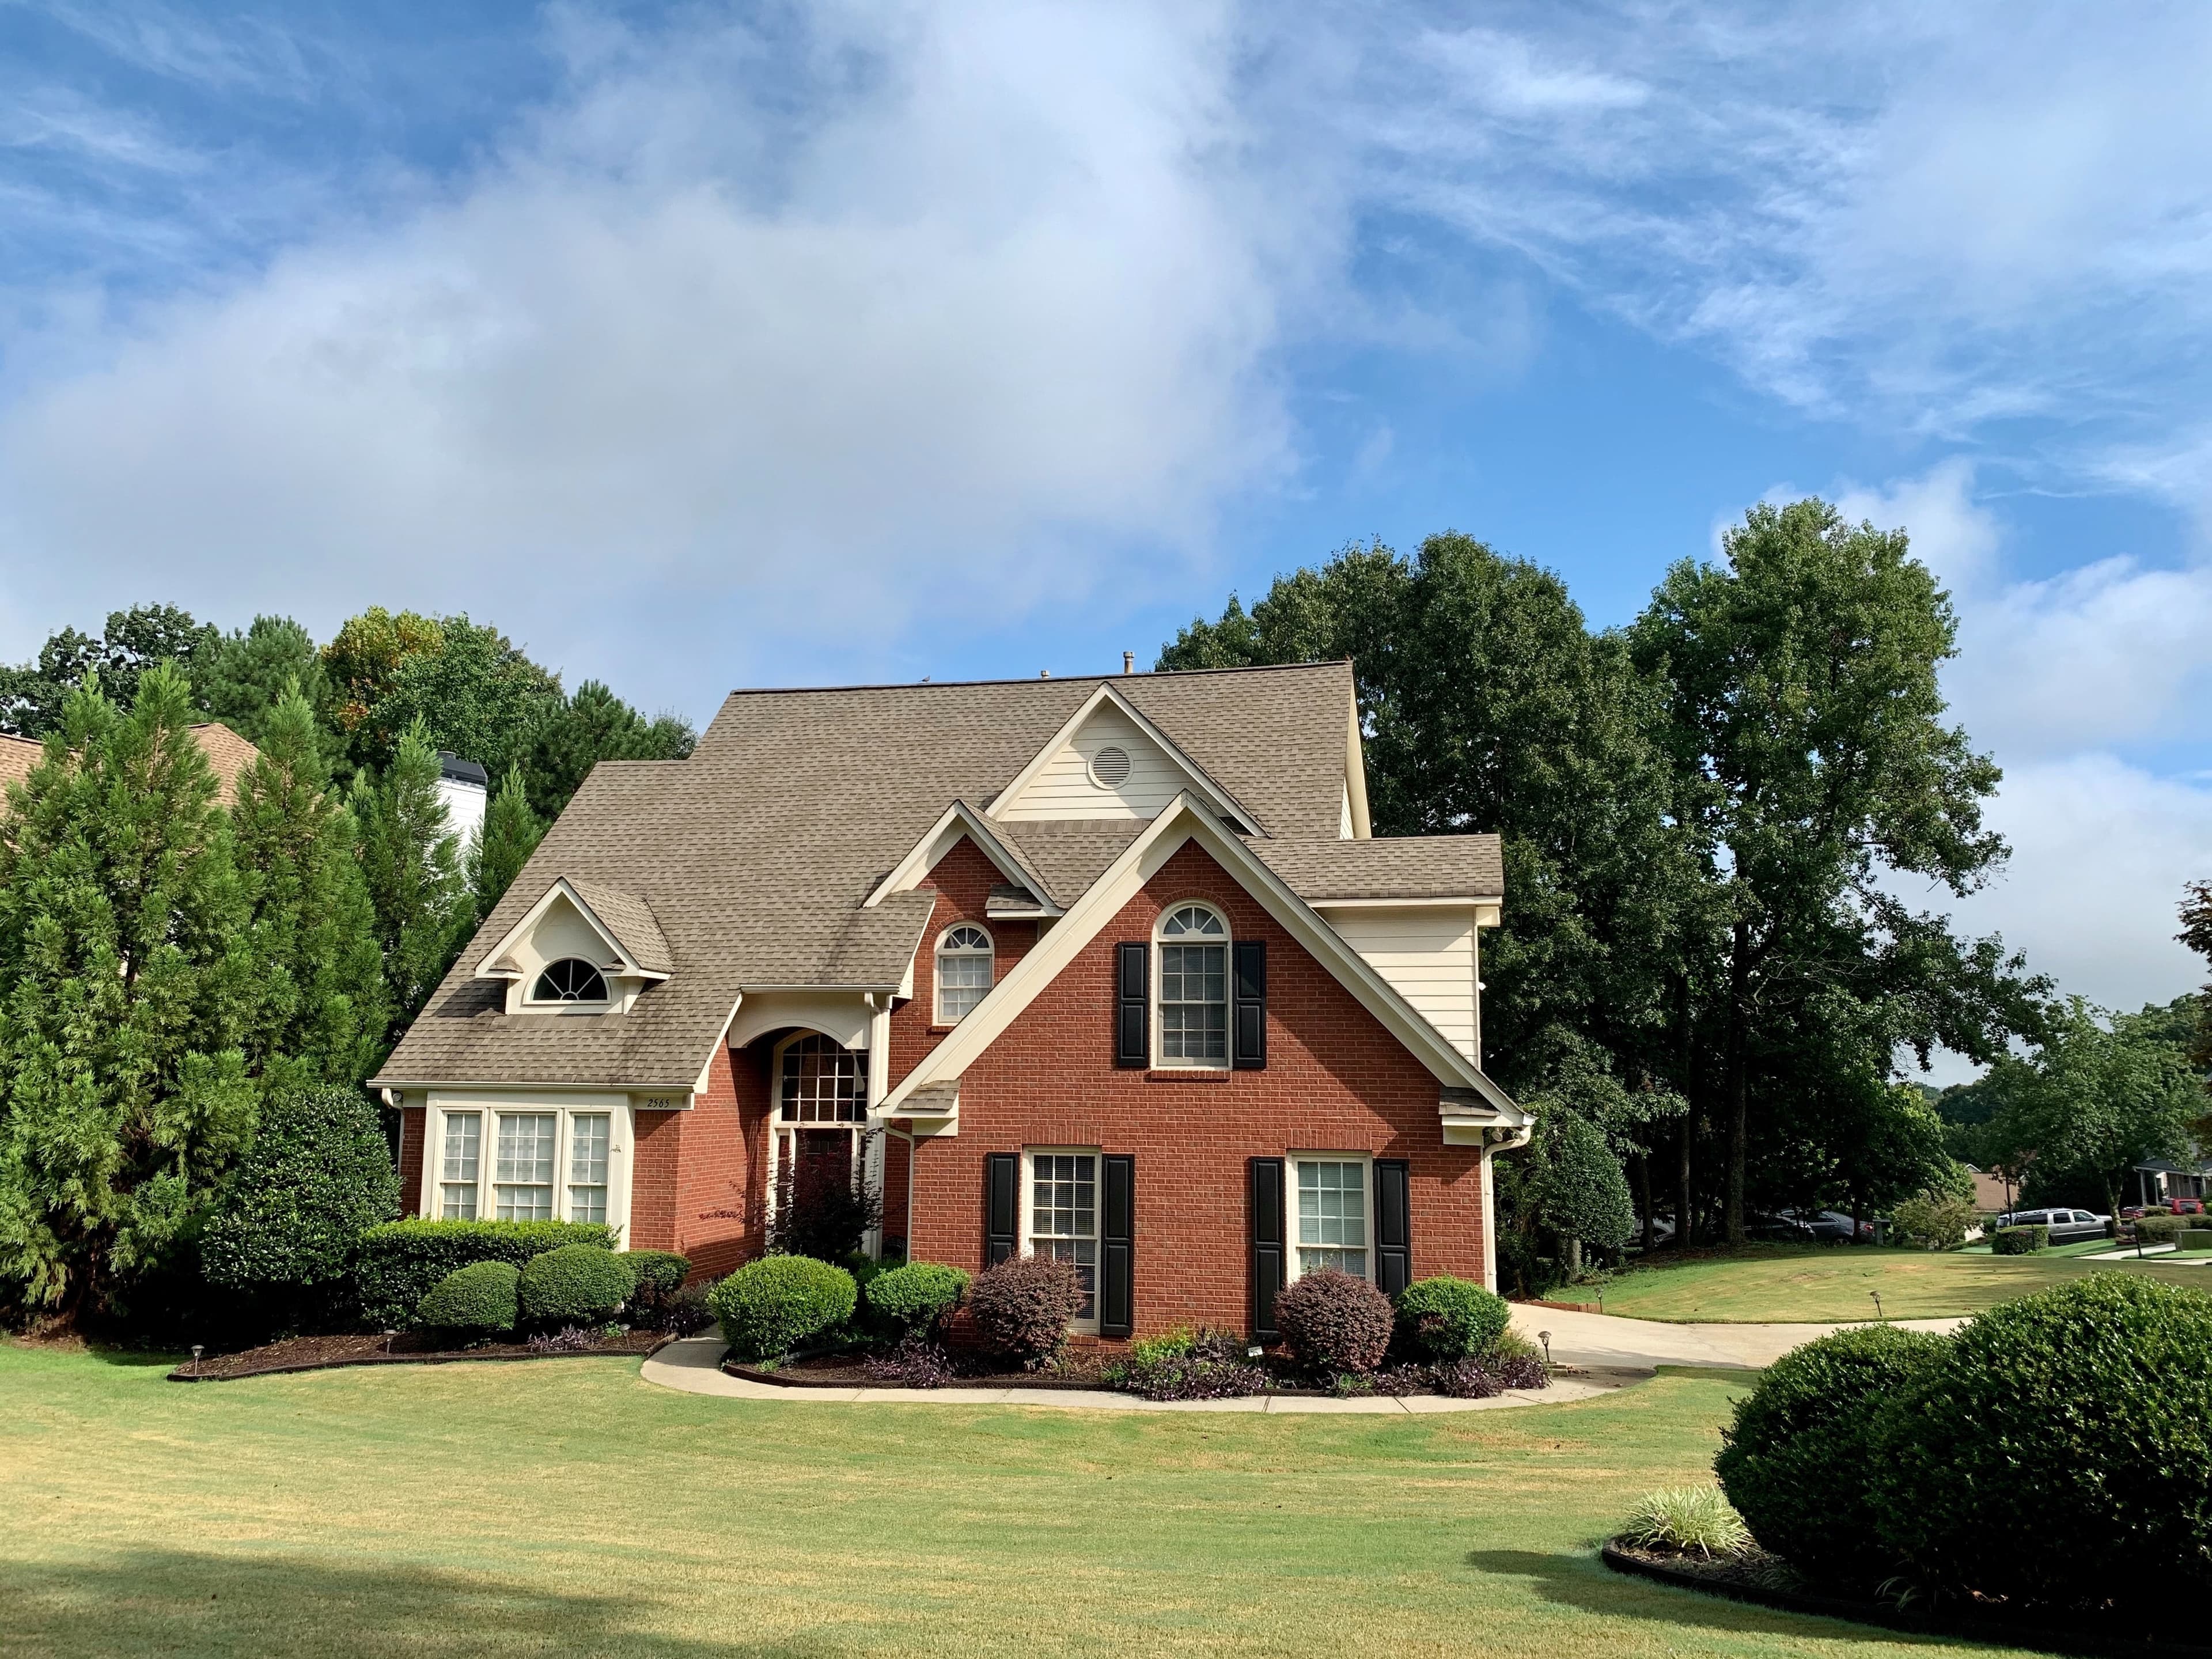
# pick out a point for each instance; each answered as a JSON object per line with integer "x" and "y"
{"x": 569, "y": 1507}
{"x": 1822, "y": 1284}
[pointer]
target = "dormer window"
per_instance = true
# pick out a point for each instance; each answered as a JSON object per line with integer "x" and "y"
{"x": 963, "y": 972}
{"x": 572, "y": 979}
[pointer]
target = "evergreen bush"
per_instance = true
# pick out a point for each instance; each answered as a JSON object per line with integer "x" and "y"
{"x": 478, "y": 1300}
{"x": 1445, "y": 1318}
{"x": 575, "y": 1285}
{"x": 768, "y": 1307}
{"x": 917, "y": 1297}
{"x": 2158, "y": 1229}
{"x": 2019, "y": 1241}
{"x": 2056, "y": 1454}
{"x": 1022, "y": 1305}
{"x": 1797, "y": 1461}
{"x": 1335, "y": 1322}
{"x": 401, "y": 1260}
{"x": 661, "y": 1275}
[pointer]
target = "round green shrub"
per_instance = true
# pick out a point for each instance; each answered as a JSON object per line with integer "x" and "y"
{"x": 768, "y": 1307}
{"x": 917, "y": 1296}
{"x": 1447, "y": 1318}
{"x": 478, "y": 1300}
{"x": 1795, "y": 1461}
{"x": 575, "y": 1285}
{"x": 2060, "y": 1453}
{"x": 2019, "y": 1241}
{"x": 401, "y": 1260}
{"x": 317, "y": 1177}
{"x": 659, "y": 1273}
{"x": 2160, "y": 1229}
{"x": 1335, "y": 1322}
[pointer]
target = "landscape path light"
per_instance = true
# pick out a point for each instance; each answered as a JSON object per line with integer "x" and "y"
{"x": 1545, "y": 1337}
{"x": 198, "y": 1349}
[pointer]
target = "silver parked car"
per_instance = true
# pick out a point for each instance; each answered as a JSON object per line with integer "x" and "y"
{"x": 2066, "y": 1226}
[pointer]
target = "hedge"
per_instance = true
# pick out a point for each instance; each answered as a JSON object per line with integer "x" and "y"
{"x": 478, "y": 1300}
{"x": 317, "y": 1177}
{"x": 1795, "y": 1463}
{"x": 2160, "y": 1229}
{"x": 575, "y": 1285}
{"x": 768, "y": 1307}
{"x": 2059, "y": 1454}
{"x": 917, "y": 1296}
{"x": 2019, "y": 1241}
{"x": 1447, "y": 1318}
{"x": 402, "y": 1259}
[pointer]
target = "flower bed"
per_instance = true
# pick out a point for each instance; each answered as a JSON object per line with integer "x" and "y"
{"x": 315, "y": 1354}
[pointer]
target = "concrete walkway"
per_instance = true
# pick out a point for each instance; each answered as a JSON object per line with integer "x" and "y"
{"x": 1611, "y": 1353}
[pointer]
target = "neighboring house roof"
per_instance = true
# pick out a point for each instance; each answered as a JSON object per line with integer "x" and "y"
{"x": 227, "y": 752}
{"x": 758, "y": 855}
{"x": 1408, "y": 867}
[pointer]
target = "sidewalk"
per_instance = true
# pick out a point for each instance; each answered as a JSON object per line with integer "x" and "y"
{"x": 1608, "y": 1340}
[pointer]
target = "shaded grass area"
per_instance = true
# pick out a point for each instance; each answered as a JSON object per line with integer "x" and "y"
{"x": 1822, "y": 1284}
{"x": 572, "y": 1508}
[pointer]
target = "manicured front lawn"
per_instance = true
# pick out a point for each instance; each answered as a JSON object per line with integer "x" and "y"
{"x": 567, "y": 1506}
{"x": 1822, "y": 1284}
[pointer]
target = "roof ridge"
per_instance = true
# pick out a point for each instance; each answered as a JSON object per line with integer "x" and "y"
{"x": 1070, "y": 679}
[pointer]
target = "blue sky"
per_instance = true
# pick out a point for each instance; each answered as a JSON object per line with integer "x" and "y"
{"x": 703, "y": 345}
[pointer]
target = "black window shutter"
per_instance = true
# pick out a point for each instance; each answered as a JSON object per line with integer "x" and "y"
{"x": 1393, "y": 1226}
{"x": 1266, "y": 1184}
{"x": 1251, "y": 1005}
{"x": 1117, "y": 1241}
{"x": 1132, "y": 996}
{"x": 1002, "y": 1182}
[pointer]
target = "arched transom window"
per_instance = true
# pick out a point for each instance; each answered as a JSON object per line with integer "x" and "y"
{"x": 963, "y": 971}
{"x": 1194, "y": 991}
{"x": 572, "y": 979}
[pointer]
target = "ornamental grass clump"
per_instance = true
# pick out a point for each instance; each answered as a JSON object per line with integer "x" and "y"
{"x": 1688, "y": 1521}
{"x": 1022, "y": 1307}
{"x": 2056, "y": 1454}
{"x": 1445, "y": 1318}
{"x": 472, "y": 1303}
{"x": 1335, "y": 1323}
{"x": 768, "y": 1307}
{"x": 574, "y": 1285}
{"x": 1797, "y": 1460}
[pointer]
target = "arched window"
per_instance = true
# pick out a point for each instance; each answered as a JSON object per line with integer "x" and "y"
{"x": 963, "y": 972}
{"x": 1193, "y": 989}
{"x": 572, "y": 979}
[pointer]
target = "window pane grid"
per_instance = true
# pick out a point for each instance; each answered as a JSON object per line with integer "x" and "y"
{"x": 1195, "y": 1001}
{"x": 824, "y": 1082}
{"x": 522, "y": 1173}
{"x": 1063, "y": 1217}
{"x": 588, "y": 1137}
{"x": 457, "y": 1167}
{"x": 1333, "y": 1217}
{"x": 963, "y": 973}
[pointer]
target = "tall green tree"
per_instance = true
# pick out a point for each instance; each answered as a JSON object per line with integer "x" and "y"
{"x": 1812, "y": 763}
{"x": 510, "y": 834}
{"x": 131, "y": 984}
{"x": 2196, "y": 934}
{"x": 474, "y": 694}
{"x": 593, "y": 726}
{"x": 323, "y": 1013}
{"x": 243, "y": 675}
{"x": 32, "y": 696}
{"x": 425, "y": 907}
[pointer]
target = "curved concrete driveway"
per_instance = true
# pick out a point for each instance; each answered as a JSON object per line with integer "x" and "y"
{"x": 1608, "y": 1340}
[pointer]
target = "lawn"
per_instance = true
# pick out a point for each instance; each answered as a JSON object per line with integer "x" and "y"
{"x": 567, "y": 1506}
{"x": 1822, "y": 1284}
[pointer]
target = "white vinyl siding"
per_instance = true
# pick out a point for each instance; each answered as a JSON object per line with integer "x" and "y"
{"x": 1065, "y": 789}
{"x": 1427, "y": 955}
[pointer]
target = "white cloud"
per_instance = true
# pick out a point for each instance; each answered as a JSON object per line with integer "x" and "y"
{"x": 997, "y": 288}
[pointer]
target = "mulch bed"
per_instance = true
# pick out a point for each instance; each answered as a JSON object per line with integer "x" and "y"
{"x": 1763, "y": 1581}
{"x": 848, "y": 1370}
{"x": 318, "y": 1353}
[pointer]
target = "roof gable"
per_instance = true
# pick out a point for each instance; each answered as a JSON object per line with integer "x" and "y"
{"x": 1110, "y": 761}
{"x": 623, "y": 922}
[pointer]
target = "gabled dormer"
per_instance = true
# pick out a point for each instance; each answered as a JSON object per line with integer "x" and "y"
{"x": 1109, "y": 760}
{"x": 583, "y": 948}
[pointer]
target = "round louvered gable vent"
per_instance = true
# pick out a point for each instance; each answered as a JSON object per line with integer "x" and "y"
{"x": 1109, "y": 767}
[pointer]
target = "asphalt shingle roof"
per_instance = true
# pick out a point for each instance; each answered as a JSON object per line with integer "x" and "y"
{"x": 1395, "y": 867}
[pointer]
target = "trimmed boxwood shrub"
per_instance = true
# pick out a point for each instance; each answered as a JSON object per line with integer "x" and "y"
{"x": 2057, "y": 1454}
{"x": 768, "y": 1307}
{"x": 2019, "y": 1241}
{"x": 2160, "y": 1229}
{"x": 401, "y": 1260}
{"x": 917, "y": 1297}
{"x": 1022, "y": 1307}
{"x": 478, "y": 1300}
{"x": 1335, "y": 1322}
{"x": 1795, "y": 1461}
{"x": 575, "y": 1285}
{"x": 1446, "y": 1318}
{"x": 661, "y": 1275}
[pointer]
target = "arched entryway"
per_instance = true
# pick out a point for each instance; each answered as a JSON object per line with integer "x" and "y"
{"x": 818, "y": 1133}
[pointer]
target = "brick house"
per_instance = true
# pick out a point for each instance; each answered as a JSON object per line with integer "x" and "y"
{"x": 1110, "y": 969}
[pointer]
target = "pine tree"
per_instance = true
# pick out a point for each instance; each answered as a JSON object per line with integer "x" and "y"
{"x": 324, "y": 1014}
{"x": 510, "y": 833}
{"x": 131, "y": 987}
{"x": 423, "y": 905}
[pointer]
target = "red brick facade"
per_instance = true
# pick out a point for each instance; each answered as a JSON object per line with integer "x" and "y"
{"x": 411, "y": 1131}
{"x": 1336, "y": 1080}
{"x": 696, "y": 1180}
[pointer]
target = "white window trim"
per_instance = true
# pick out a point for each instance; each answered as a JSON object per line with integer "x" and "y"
{"x": 1294, "y": 1269}
{"x": 1027, "y": 1204}
{"x": 1160, "y": 1061}
{"x": 531, "y": 1000}
{"x": 937, "y": 974}
{"x": 868, "y": 1159}
{"x": 488, "y": 1108}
